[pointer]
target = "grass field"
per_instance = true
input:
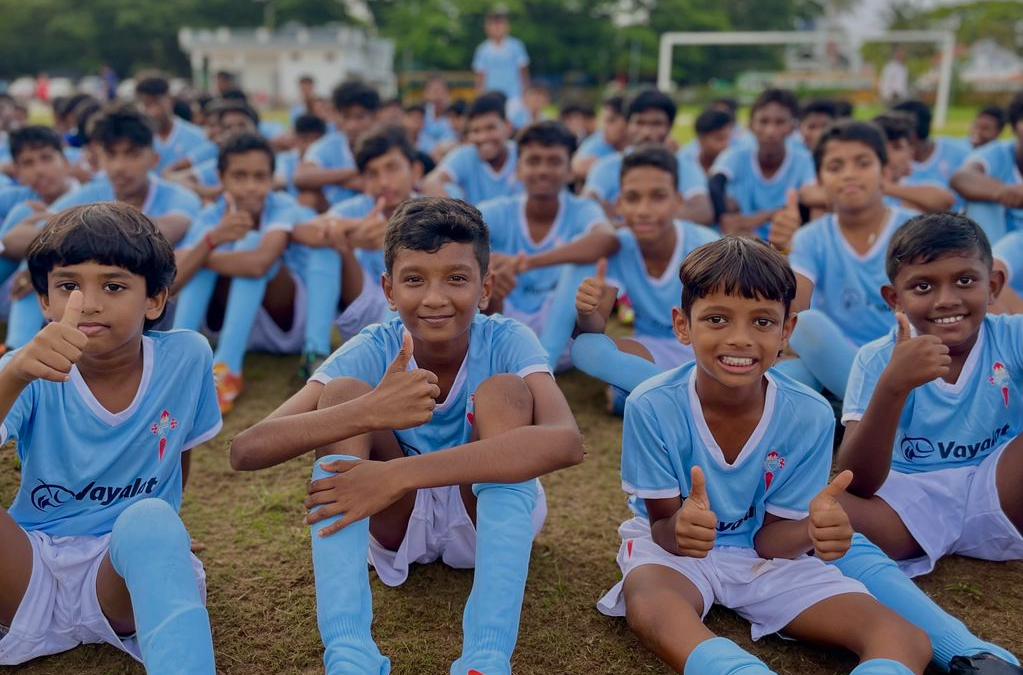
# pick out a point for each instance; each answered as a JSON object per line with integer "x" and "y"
{"x": 261, "y": 580}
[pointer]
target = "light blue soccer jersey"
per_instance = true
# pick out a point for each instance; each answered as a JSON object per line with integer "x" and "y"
{"x": 203, "y": 153}
{"x": 477, "y": 178}
{"x": 652, "y": 299}
{"x": 333, "y": 152}
{"x": 372, "y": 260}
{"x": 286, "y": 163}
{"x": 496, "y": 345}
{"x": 1009, "y": 250}
{"x": 509, "y": 234}
{"x": 13, "y": 195}
{"x": 951, "y": 425}
{"x": 605, "y": 178}
{"x": 595, "y": 145}
{"x": 183, "y": 138}
{"x": 847, "y": 285}
{"x": 501, "y": 64}
{"x": 82, "y": 465}
{"x": 164, "y": 198}
{"x": 999, "y": 161}
{"x": 751, "y": 190}
{"x": 949, "y": 154}
{"x": 783, "y": 465}
{"x": 281, "y": 212}
{"x": 207, "y": 173}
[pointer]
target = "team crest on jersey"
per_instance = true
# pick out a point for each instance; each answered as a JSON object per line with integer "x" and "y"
{"x": 773, "y": 463}
{"x": 1000, "y": 378}
{"x": 469, "y": 416}
{"x": 163, "y": 427}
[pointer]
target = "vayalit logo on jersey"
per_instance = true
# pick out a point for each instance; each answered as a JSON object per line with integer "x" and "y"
{"x": 924, "y": 450}
{"x": 48, "y": 496}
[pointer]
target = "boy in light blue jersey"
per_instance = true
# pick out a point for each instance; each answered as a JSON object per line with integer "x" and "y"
{"x": 308, "y": 130}
{"x": 839, "y": 258}
{"x": 987, "y": 125}
{"x": 174, "y": 137}
{"x": 274, "y": 297}
{"x": 543, "y": 220}
{"x": 327, "y": 174}
{"x": 644, "y": 264}
{"x": 650, "y": 115}
{"x": 104, "y": 412}
{"x": 814, "y": 118}
{"x": 934, "y": 160}
{"x": 755, "y": 479}
{"x": 501, "y": 62}
{"x": 483, "y": 168}
{"x": 198, "y": 172}
{"x": 750, "y": 183}
{"x": 990, "y": 179}
{"x": 899, "y": 129}
{"x": 125, "y": 141}
{"x": 607, "y": 140}
{"x": 713, "y": 136}
{"x": 455, "y": 444}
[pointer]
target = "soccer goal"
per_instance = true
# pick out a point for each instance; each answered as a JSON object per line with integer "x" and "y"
{"x": 943, "y": 39}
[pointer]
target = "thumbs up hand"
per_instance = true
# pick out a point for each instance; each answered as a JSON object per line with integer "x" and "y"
{"x": 915, "y": 360}
{"x": 695, "y": 523}
{"x": 404, "y": 398}
{"x": 785, "y": 222}
{"x": 592, "y": 290}
{"x": 54, "y": 349}
{"x": 829, "y": 527}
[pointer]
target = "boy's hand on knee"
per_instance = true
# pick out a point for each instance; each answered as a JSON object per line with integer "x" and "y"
{"x": 404, "y": 398}
{"x": 359, "y": 489}
{"x": 829, "y": 526}
{"x": 695, "y": 524}
{"x": 54, "y": 349}
{"x": 915, "y": 360}
{"x": 592, "y": 290}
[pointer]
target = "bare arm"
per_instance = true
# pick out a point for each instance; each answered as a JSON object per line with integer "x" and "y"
{"x": 20, "y": 237}
{"x": 599, "y": 242}
{"x": 433, "y": 184}
{"x": 924, "y": 198}
{"x": 581, "y": 165}
{"x": 698, "y": 209}
{"x": 734, "y": 222}
{"x": 973, "y": 183}
{"x": 309, "y": 176}
{"x": 173, "y": 226}
{"x": 663, "y": 514}
{"x": 254, "y": 263}
{"x": 804, "y": 293}
{"x": 782, "y": 538}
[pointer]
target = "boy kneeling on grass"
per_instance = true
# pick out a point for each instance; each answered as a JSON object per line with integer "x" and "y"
{"x": 431, "y": 430}
{"x": 104, "y": 411}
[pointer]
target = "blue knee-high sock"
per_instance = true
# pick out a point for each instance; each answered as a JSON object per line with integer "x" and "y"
{"x": 720, "y": 656}
{"x": 321, "y": 275}
{"x": 557, "y": 331}
{"x": 797, "y": 370}
{"x": 824, "y": 349}
{"x": 869, "y": 565}
{"x": 504, "y": 540}
{"x": 243, "y": 303}
{"x": 344, "y": 607}
{"x": 25, "y": 320}
{"x": 149, "y": 549}
{"x": 596, "y": 354}
{"x": 881, "y": 667}
{"x": 194, "y": 300}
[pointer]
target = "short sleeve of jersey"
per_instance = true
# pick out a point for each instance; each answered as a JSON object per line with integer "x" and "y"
{"x": 993, "y": 157}
{"x": 459, "y": 163}
{"x": 364, "y": 357}
{"x": 1009, "y": 250}
{"x": 181, "y": 201}
{"x": 805, "y": 257}
{"x": 331, "y": 152}
{"x": 588, "y": 215}
{"x": 19, "y": 213}
{"x": 691, "y": 179}
{"x": 477, "y": 57}
{"x": 521, "y": 56}
{"x": 202, "y": 152}
{"x": 208, "y": 420}
{"x": 799, "y": 484}
{"x": 353, "y": 207}
{"x": 604, "y": 176}
{"x": 806, "y": 174}
{"x": 493, "y": 212}
{"x": 205, "y": 221}
{"x": 647, "y": 470}
{"x": 20, "y": 414}
{"x": 867, "y": 367}
{"x": 517, "y": 350}
{"x": 727, "y": 164}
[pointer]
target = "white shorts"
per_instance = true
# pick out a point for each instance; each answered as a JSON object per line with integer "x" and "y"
{"x": 536, "y": 322}
{"x": 668, "y": 353}
{"x": 438, "y": 529}
{"x": 267, "y": 336}
{"x": 953, "y": 511}
{"x": 60, "y": 609}
{"x": 767, "y": 593}
{"x": 367, "y": 309}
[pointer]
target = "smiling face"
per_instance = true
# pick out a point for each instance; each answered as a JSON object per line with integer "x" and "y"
{"x": 947, "y": 297}
{"x": 115, "y": 306}
{"x": 735, "y": 339}
{"x": 544, "y": 169}
{"x": 489, "y": 132}
{"x": 648, "y": 202}
{"x": 851, "y": 175}
{"x": 438, "y": 293}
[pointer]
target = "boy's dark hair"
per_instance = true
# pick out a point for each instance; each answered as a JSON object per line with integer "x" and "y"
{"x": 122, "y": 123}
{"x": 355, "y": 93}
{"x": 1015, "y": 110}
{"x": 820, "y": 106}
{"x": 152, "y": 84}
{"x": 34, "y": 137}
{"x": 486, "y": 103}
{"x": 737, "y": 265}
{"x": 237, "y": 106}
{"x": 866, "y": 133}
{"x": 86, "y": 114}
{"x": 931, "y": 236}
{"x": 310, "y": 124}
{"x": 994, "y": 112}
{"x": 235, "y": 95}
{"x": 182, "y": 109}
{"x": 712, "y": 120}
{"x": 109, "y": 233}
{"x": 782, "y": 97}
{"x": 242, "y": 142}
{"x": 652, "y": 155}
{"x": 725, "y": 102}
{"x": 896, "y": 125}
{"x": 843, "y": 108}
{"x": 575, "y": 107}
{"x": 415, "y": 108}
{"x": 921, "y": 113}
{"x": 306, "y": 78}
{"x": 427, "y": 223}
{"x": 456, "y": 107}
{"x": 379, "y": 141}
{"x": 615, "y": 104}
{"x": 548, "y": 133}
{"x": 649, "y": 98}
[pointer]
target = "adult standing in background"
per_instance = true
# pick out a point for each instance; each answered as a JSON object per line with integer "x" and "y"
{"x": 894, "y": 85}
{"x": 501, "y": 62}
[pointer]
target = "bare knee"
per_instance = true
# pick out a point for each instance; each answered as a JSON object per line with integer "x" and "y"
{"x": 341, "y": 390}
{"x": 502, "y": 401}
{"x": 643, "y": 607}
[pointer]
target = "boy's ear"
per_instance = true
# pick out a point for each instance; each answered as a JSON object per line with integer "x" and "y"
{"x": 385, "y": 283}
{"x": 417, "y": 172}
{"x": 44, "y": 304}
{"x": 156, "y": 304}
{"x": 890, "y": 297}
{"x": 787, "y": 327}
{"x": 680, "y": 324}
{"x": 995, "y": 285}
{"x": 488, "y": 288}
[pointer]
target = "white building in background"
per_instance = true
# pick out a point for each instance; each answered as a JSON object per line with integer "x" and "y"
{"x": 267, "y": 63}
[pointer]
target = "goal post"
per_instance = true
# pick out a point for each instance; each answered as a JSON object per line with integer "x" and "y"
{"x": 944, "y": 39}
